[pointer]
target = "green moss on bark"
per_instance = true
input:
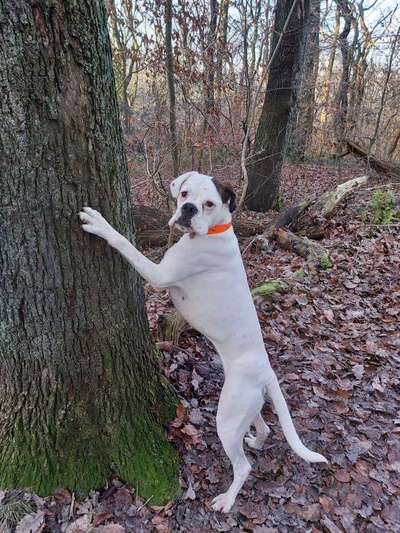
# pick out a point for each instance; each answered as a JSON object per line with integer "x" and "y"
{"x": 83, "y": 459}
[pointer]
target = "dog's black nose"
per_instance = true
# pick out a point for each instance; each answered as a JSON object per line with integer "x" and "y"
{"x": 188, "y": 210}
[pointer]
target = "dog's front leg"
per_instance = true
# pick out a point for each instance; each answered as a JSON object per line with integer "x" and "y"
{"x": 155, "y": 274}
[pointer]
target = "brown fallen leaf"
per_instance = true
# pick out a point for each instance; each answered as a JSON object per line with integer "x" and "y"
{"x": 331, "y": 526}
{"x": 180, "y": 416}
{"x": 189, "y": 429}
{"x": 123, "y": 497}
{"x": 327, "y": 504}
{"x": 391, "y": 513}
{"x": 328, "y": 314}
{"x": 311, "y": 512}
{"x": 81, "y": 525}
{"x": 101, "y": 517}
{"x": 166, "y": 346}
{"x": 62, "y": 496}
{"x": 342, "y": 475}
{"x": 110, "y": 528}
{"x": 258, "y": 514}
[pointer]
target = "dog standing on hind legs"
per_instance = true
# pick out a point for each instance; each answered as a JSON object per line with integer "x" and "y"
{"x": 205, "y": 275}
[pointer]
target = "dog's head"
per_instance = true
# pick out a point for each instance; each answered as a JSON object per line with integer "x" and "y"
{"x": 202, "y": 202}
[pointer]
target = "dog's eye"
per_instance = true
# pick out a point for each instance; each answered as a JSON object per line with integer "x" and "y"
{"x": 184, "y": 194}
{"x": 209, "y": 204}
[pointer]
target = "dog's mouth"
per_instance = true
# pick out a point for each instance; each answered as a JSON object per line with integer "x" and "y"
{"x": 189, "y": 223}
{"x": 184, "y": 224}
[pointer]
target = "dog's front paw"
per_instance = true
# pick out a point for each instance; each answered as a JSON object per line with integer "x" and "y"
{"x": 223, "y": 502}
{"x": 93, "y": 222}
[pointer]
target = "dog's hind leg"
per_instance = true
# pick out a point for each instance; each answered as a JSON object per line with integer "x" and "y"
{"x": 262, "y": 431}
{"x": 236, "y": 410}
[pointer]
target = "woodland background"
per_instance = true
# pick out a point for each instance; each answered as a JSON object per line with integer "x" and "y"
{"x": 191, "y": 79}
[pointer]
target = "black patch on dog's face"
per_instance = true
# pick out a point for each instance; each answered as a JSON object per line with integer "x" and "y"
{"x": 227, "y": 194}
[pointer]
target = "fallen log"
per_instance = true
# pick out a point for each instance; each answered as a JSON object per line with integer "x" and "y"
{"x": 384, "y": 167}
{"x": 152, "y": 226}
{"x": 304, "y": 247}
{"x": 308, "y": 218}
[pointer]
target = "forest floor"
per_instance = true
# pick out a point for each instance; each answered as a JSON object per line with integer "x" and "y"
{"x": 333, "y": 339}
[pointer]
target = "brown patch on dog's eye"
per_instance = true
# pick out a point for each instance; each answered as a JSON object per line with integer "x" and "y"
{"x": 209, "y": 204}
{"x": 184, "y": 194}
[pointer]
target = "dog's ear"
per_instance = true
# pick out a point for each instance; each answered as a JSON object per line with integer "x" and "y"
{"x": 229, "y": 197}
{"x": 176, "y": 184}
{"x": 227, "y": 194}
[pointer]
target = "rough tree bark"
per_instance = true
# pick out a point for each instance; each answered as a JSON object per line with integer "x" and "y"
{"x": 393, "y": 145}
{"x": 342, "y": 97}
{"x": 81, "y": 394}
{"x": 326, "y": 84}
{"x": 221, "y": 48}
{"x": 169, "y": 67}
{"x": 303, "y": 118}
{"x": 264, "y": 165}
{"x": 124, "y": 54}
{"x": 362, "y": 46}
{"x": 209, "y": 122}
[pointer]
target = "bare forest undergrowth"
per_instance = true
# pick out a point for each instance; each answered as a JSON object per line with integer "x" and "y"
{"x": 333, "y": 338}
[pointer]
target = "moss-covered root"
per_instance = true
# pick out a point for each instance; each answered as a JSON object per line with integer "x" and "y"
{"x": 266, "y": 290}
{"x": 151, "y": 469}
{"x": 137, "y": 451}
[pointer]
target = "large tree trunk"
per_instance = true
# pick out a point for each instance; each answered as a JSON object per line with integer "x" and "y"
{"x": 81, "y": 394}
{"x": 265, "y": 164}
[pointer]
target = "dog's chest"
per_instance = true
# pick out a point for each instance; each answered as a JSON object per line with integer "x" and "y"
{"x": 218, "y": 305}
{"x": 199, "y": 302}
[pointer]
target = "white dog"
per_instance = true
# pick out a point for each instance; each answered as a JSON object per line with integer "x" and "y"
{"x": 207, "y": 281}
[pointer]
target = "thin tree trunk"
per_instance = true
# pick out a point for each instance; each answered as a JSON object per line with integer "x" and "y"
{"x": 264, "y": 166}
{"x": 124, "y": 63}
{"x": 304, "y": 116}
{"x": 385, "y": 88}
{"x": 81, "y": 394}
{"x": 210, "y": 86}
{"x": 342, "y": 97}
{"x": 326, "y": 83}
{"x": 222, "y": 40}
{"x": 209, "y": 82}
{"x": 169, "y": 67}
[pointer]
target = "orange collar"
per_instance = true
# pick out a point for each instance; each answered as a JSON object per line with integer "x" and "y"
{"x": 218, "y": 229}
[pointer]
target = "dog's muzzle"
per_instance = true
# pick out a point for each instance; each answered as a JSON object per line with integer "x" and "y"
{"x": 188, "y": 211}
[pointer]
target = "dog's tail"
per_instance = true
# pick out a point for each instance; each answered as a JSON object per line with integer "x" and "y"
{"x": 285, "y": 419}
